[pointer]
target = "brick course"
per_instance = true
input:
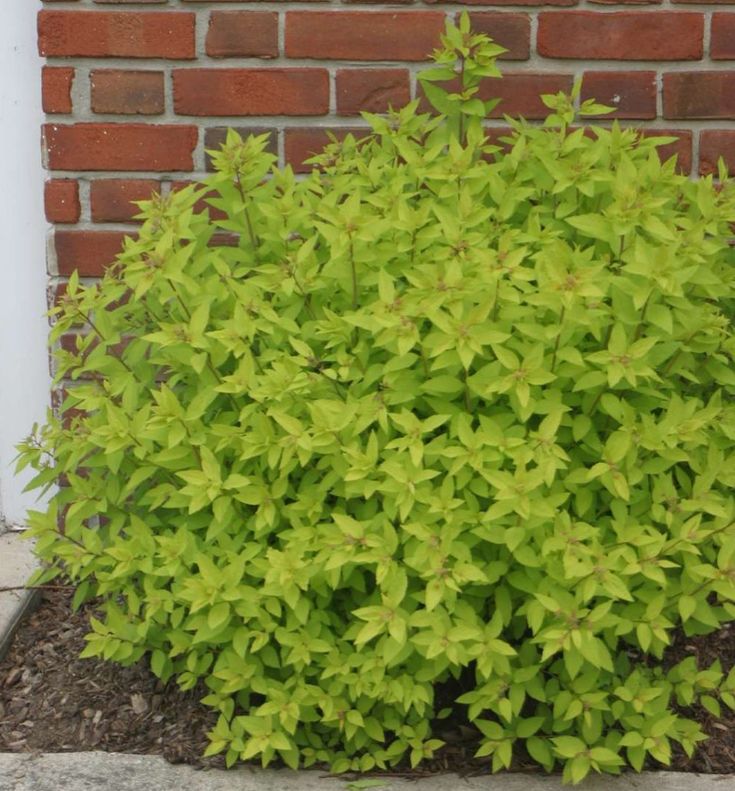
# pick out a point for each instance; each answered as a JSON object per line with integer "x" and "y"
{"x": 361, "y": 35}
{"x": 699, "y": 94}
{"x": 137, "y": 90}
{"x": 61, "y": 200}
{"x": 624, "y": 35}
{"x": 110, "y": 200}
{"x": 233, "y": 34}
{"x": 116, "y": 34}
{"x": 373, "y": 90}
{"x": 127, "y": 92}
{"x": 56, "y": 83}
{"x": 631, "y": 93}
{"x": 204, "y": 92}
{"x": 135, "y": 147}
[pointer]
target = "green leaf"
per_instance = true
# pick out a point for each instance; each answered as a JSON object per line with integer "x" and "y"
{"x": 529, "y": 726}
{"x": 592, "y": 225}
{"x": 603, "y": 755}
{"x": 687, "y": 605}
{"x": 711, "y": 704}
{"x": 590, "y": 380}
{"x": 577, "y": 769}
{"x": 540, "y": 751}
{"x": 568, "y": 746}
{"x": 491, "y": 730}
{"x": 218, "y": 616}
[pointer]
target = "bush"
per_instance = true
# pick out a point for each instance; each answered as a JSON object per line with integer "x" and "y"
{"x": 437, "y": 410}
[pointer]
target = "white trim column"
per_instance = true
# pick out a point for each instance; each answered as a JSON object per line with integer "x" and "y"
{"x": 24, "y": 374}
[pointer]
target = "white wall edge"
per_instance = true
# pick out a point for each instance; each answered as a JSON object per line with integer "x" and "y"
{"x": 24, "y": 372}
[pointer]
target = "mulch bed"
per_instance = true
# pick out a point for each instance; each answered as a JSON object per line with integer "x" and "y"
{"x": 52, "y": 701}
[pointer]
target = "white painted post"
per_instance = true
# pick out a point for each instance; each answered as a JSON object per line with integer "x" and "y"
{"x": 24, "y": 374}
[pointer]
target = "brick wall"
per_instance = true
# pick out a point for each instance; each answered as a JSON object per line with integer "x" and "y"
{"x": 135, "y": 90}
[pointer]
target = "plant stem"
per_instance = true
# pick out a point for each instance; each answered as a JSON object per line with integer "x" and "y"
{"x": 211, "y": 367}
{"x": 251, "y": 233}
{"x": 639, "y": 328}
{"x": 597, "y": 400}
{"x": 461, "y": 116}
{"x": 413, "y": 244}
{"x": 425, "y": 362}
{"x": 355, "y": 290}
{"x": 301, "y": 290}
{"x": 181, "y": 302}
{"x": 558, "y": 338}
{"x": 670, "y": 364}
{"x": 102, "y": 338}
{"x": 621, "y": 250}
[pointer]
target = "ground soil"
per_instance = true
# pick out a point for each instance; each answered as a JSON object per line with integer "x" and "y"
{"x": 52, "y": 701}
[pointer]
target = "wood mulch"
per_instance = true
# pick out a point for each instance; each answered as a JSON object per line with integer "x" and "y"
{"x": 52, "y": 701}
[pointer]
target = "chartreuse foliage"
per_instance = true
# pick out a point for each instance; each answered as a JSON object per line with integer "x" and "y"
{"x": 439, "y": 409}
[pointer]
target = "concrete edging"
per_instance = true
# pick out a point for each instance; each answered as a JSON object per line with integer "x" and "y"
{"x": 17, "y": 563}
{"x": 97, "y": 771}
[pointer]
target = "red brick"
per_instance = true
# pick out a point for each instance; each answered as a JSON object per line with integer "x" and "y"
{"x": 622, "y": 35}
{"x": 56, "y": 89}
{"x": 632, "y": 93}
{"x": 130, "y": 2}
{"x": 110, "y": 199}
{"x": 302, "y": 144}
{"x": 89, "y": 252}
{"x": 61, "y": 200}
{"x": 509, "y": 2}
{"x": 521, "y": 93}
{"x": 682, "y": 147}
{"x": 373, "y": 90}
{"x": 246, "y": 34}
{"x": 215, "y": 136}
{"x": 699, "y": 94}
{"x": 705, "y": 2}
{"x": 626, "y": 2}
{"x": 512, "y": 31}
{"x": 124, "y": 34}
{"x": 722, "y": 43}
{"x": 360, "y": 35}
{"x": 68, "y": 341}
{"x": 164, "y": 147}
{"x": 251, "y": 91}
{"x": 376, "y": 2}
{"x": 127, "y": 92}
{"x": 224, "y": 240}
{"x": 713, "y": 144}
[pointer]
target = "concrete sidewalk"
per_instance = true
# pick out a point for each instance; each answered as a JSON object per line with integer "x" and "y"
{"x": 98, "y": 771}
